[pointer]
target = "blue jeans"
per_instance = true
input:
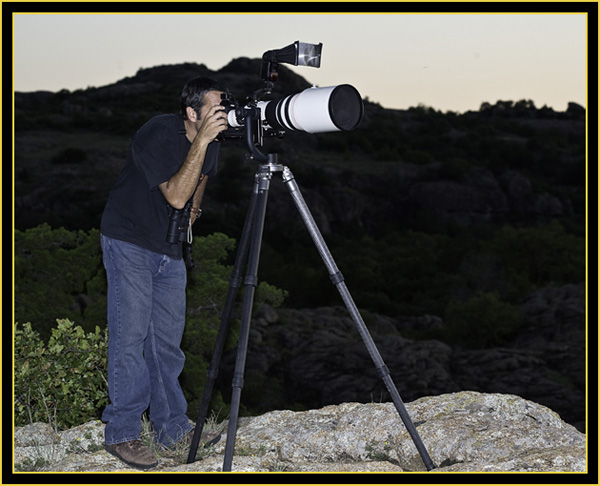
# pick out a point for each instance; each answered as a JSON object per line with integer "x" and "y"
{"x": 146, "y": 316}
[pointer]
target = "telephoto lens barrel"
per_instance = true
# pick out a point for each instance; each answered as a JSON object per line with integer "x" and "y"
{"x": 174, "y": 230}
{"x": 315, "y": 110}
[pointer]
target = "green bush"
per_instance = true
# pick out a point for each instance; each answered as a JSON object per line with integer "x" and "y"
{"x": 62, "y": 381}
{"x": 59, "y": 273}
{"x": 547, "y": 255}
{"x": 482, "y": 321}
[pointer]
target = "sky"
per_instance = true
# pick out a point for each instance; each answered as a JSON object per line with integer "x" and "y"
{"x": 450, "y": 62}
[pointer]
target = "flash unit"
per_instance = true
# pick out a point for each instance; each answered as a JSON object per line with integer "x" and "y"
{"x": 297, "y": 54}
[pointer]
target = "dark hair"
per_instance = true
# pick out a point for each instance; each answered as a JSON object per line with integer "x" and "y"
{"x": 194, "y": 91}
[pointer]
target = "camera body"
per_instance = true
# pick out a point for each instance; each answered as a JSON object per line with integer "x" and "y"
{"x": 235, "y": 118}
{"x": 232, "y": 107}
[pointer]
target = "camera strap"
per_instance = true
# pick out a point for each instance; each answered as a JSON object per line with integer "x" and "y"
{"x": 190, "y": 236}
{"x": 183, "y": 151}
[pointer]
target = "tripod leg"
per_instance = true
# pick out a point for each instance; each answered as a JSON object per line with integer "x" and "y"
{"x": 234, "y": 285}
{"x": 250, "y": 283}
{"x": 338, "y": 281}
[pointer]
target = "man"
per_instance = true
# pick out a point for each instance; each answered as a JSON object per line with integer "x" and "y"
{"x": 169, "y": 163}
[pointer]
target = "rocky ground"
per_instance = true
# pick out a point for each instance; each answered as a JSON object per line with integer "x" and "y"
{"x": 462, "y": 432}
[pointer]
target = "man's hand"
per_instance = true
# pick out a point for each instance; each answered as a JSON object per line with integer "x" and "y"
{"x": 213, "y": 123}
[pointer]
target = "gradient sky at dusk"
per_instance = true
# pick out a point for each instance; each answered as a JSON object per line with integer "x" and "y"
{"x": 451, "y": 62}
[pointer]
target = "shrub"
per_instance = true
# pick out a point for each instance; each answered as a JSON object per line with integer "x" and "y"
{"x": 59, "y": 273}
{"x": 482, "y": 321}
{"x": 547, "y": 255}
{"x": 62, "y": 381}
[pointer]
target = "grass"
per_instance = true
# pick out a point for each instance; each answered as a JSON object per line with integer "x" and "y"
{"x": 180, "y": 451}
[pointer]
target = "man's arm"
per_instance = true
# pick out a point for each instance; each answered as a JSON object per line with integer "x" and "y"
{"x": 180, "y": 187}
{"x": 197, "y": 199}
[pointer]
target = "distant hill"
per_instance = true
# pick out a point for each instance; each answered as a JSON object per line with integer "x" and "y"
{"x": 401, "y": 170}
{"x": 70, "y": 146}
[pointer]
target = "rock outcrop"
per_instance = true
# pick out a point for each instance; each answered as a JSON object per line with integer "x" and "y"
{"x": 315, "y": 357}
{"x": 465, "y": 431}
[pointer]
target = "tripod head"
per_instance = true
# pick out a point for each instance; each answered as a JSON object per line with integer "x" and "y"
{"x": 253, "y": 136}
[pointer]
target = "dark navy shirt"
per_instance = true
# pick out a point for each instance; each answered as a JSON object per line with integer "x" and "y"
{"x": 136, "y": 210}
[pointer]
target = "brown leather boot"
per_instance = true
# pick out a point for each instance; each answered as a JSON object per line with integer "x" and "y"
{"x": 133, "y": 453}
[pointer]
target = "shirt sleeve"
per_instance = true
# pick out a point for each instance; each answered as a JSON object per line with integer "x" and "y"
{"x": 209, "y": 168}
{"x": 156, "y": 152}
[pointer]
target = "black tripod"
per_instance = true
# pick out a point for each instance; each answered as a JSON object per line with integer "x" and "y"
{"x": 249, "y": 251}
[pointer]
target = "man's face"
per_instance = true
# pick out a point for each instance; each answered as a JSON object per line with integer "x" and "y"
{"x": 195, "y": 120}
{"x": 211, "y": 99}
